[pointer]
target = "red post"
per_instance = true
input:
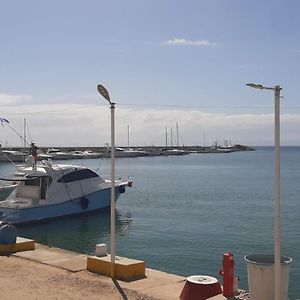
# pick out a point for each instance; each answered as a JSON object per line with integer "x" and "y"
{"x": 228, "y": 275}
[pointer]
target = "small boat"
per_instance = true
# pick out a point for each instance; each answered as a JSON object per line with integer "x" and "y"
{"x": 12, "y": 155}
{"x": 55, "y": 191}
{"x": 121, "y": 152}
{"x": 222, "y": 149}
{"x": 77, "y": 154}
{"x": 172, "y": 151}
{"x": 57, "y": 154}
{"x": 91, "y": 154}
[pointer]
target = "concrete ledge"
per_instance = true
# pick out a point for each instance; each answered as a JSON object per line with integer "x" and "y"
{"x": 21, "y": 244}
{"x": 125, "y": 269}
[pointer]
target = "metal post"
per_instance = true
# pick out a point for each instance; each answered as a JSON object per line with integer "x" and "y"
{"x": 277, "y": 222}
{"x": 277, "y": 233}
{"x": 113, "y": 202}
{"x": 104, "y": 93}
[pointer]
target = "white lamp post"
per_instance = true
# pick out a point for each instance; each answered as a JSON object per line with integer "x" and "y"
{"x": 104, "y": 93}
{"x": 277, "y": 230}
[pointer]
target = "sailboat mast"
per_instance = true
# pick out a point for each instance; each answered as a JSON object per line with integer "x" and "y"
{"x": 128, "y": 136}
{"x": 24, "y": 134}
{"x": 166, "y": 137}
{"x": 177, "y": 135}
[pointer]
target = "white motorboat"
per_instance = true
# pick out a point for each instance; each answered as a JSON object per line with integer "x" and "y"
{"x": 91, "y": 154}
{"x": 12, "y": 155}
{"x": 77, "y": 154}
{"x": 57, "y": 154}
{"x": 172, "y": 151}
{"x": 121, "y": 152}
{"x": 47, "y": 192}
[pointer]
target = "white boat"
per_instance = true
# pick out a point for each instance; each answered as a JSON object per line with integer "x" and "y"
{"x": 48, "y": 192}
{"x": 57, "y": 154}
{"x": 12, "y": 155}
{"x": 222, "y": 149}
{"x": 77, "y": 154}
{"x": 121, "y": 152}
{"x": 91, "y": 154}
{"x": 171, "y": 151}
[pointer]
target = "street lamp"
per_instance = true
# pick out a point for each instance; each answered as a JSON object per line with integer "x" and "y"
{"x": 277, "y": 230}
{"x": 104, "y": 93}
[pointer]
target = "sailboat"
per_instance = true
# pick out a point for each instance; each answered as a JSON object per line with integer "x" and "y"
{"x": 171, "y": 150}
{"x": 125, "y": 152}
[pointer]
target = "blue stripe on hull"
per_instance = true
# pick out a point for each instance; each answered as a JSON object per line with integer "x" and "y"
{"x": 96, "y": 201}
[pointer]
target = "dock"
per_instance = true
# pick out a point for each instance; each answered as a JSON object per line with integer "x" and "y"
{"x": 54, "y": 273}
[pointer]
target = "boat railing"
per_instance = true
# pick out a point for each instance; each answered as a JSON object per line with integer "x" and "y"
{"x": 117, "y": 179}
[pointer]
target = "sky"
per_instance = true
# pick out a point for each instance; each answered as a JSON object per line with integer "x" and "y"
{"x": 162, "y": 61}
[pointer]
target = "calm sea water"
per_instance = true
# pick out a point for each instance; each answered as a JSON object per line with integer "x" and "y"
{"x": 184, "y": 212}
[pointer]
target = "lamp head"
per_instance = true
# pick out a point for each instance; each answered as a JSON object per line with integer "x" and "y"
{"x": 255, "y": 86}
{"x": 103, "y": 92}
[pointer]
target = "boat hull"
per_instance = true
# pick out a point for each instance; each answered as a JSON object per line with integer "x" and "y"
{"x": 89, "y": 203}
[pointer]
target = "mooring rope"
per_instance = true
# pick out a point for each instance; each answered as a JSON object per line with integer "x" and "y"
{"x": 244, "y": 295}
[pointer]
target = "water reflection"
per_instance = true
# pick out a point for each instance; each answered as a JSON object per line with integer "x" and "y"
{"x": 80, "y": 233}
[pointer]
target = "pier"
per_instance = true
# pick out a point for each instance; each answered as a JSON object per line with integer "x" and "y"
{"x": 19, "y": 154}
{"x": 53, "y": 273}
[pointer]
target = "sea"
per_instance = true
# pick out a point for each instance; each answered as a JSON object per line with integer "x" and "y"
{"x": 184, "y": 212}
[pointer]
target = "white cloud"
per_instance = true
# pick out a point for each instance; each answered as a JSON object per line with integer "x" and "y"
{"x": 177, "y": 41}
{"x": 89, "y": 125}
{"x": 6, "y": 99}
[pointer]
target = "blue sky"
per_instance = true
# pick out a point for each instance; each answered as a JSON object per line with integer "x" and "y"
{"x": 158, "y": 59}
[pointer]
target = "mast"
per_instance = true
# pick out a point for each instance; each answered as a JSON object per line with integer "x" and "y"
{"x": 177, "y": 133}
{"x": 171, "y": 137}
{"x": 128, "y": 136}
{"x": 166, "y": 137}
{"x": 24, "y": 134}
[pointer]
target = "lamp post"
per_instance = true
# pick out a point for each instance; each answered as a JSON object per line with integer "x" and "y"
{"x": 277, "y": 225}
{"x": 104, "y": 93}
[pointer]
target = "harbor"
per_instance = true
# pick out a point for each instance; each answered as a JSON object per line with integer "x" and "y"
{"x": 20, "y": 154}
{"x": 150, "y": 150}
{"x": 157, "y": 222}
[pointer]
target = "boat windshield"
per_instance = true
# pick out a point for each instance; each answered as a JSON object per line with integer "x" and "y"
{"x": 77, "y": 175}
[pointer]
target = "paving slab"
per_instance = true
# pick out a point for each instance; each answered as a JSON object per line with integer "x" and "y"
{"x": 160, "y": 285}
{"x": 57, "y": 257}
{"x": 156, "y": 285}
